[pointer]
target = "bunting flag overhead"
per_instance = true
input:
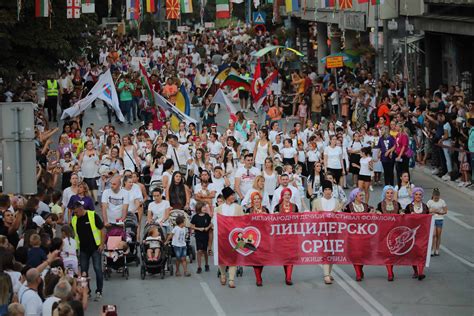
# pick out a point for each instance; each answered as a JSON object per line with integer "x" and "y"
{"x": 172, "y": 9}
{"x": 42, "y": 8}
{"x": 328, "y": 3}
{"x": 133, "y": 10}
{"x": 150, "y": 6}
{"x": 345, "y": 4}
{"x": 88, "y": 6}
{"x": 292, "y": 6}
{"x": 222, "y": 9}
{"x": 186, "y": 6}
{"x": 73, "y": 9}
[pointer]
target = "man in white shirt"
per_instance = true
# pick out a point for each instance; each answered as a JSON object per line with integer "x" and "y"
{"x": 114, "y": 202}
{"x": 214, "y": 145}
{"x": 28, "y": 294}
{"x": 245, "y": 176}
{"x": 295, "y": 195}
{"x": 177, "y": 152}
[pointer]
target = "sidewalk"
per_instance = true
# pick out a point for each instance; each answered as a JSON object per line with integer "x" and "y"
{"x": 469, "y": 192}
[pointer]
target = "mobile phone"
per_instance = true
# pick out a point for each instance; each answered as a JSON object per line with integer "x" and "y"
{"x": 109, "y": 310}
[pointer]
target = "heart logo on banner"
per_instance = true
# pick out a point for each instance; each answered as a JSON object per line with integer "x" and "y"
{"x": 245, "y": 240}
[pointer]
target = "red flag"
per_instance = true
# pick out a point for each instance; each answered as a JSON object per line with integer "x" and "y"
{"x": 345, "y": 4}
{"x": 137, "y": 10}
{"x": 257, "y": 74}
{"x": 172, "y": 9}
{"x": 363, "y": 1}
{"x": 267, "y": 82}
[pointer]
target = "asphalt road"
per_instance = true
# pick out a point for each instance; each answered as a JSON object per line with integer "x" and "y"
{"x": 447, "y": 290}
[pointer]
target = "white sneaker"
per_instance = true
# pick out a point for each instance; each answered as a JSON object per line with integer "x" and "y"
{"x": 461, "y": 184}
{"x": 446, "y": 177}
{"x": 458, "y": 180}
{"x": 434, "y": 171}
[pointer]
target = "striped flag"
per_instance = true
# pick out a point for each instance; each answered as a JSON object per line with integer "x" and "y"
{"x": 146, "y": 84}
{"x": 73, "y": 9}
{"x": 150, "y": 6}
{"x": 222, "y": 9}
{"x": 328, "y": 3}
{"x": 345, "y": 4}
{"x": 88, "y": 6}
{"x": 42, "y": 8}
{"x": 186, "y": 6}
{"x": 292, "y": 5}
{"x": 133, "y": 10}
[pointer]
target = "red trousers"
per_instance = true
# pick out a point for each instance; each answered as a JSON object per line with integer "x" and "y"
{"x": 288, "y": 271}
{"x": 358, "y": 270}
{"x": 258, "y": 273}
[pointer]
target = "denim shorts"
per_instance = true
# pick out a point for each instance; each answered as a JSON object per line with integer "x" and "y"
{"x": 439, "y": 223}
{"x": 179, "y": 252}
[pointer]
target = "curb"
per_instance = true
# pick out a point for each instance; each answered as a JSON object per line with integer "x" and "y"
{"x": 466, "y": 191}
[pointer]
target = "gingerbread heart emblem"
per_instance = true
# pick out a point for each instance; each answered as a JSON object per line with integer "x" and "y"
{"x": 245, "y": 240}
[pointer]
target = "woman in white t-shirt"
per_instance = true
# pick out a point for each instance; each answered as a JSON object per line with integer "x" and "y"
{"x": 263, "y": 149}
{"x": 271, "y": 178}
{"x": 159, "y": 211}
{"x": 365, "y": 168}
{"x": 333, "y": 161}
{"x": 438, "y": 208}
{"x": 403, "y": 191}
{"x": 289, "y": 153}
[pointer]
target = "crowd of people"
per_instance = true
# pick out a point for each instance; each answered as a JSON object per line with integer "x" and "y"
{"x": 312, "y": 141}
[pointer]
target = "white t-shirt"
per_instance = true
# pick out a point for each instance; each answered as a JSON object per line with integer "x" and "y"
{"x": 69, "y": 248}
{"x": 31, "y": 301}
{"x": 364, "y": 166}
{"x": 328, "y": 205}
{"x": 437, "y": 206}
{"x": 134, "y": 194}
{"x": 214, "y": 148}
{"x": 158, "y": 210}
{"x": 288, "y": 152}
{"x": 334, "y": 157}
{"x": 115, "y": 202}
{"x": 15, "y": 277}
{"x": 179, "y": 236}
{"x": 48, "y": 305}
{"x": 247, "y": 176}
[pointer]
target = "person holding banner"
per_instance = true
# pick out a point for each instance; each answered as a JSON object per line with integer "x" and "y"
{"x": 257, "y": 208}
{"x": 418, "y": 207}
{"x": 389, "y": 205}
{"x": 356, "y": 205}
{"x": 285, "y": 206}
{"x": 327, "y": 203}
{"x": 229, "y": 208}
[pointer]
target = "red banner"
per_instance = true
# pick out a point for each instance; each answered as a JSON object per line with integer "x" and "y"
{"x": 323, "y": 237}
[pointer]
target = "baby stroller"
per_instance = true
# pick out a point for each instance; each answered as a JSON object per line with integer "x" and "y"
{"x": 155, "y": 267}
{"x": 131, "y": 230}
{"x": 187, "y": 222}
{"x": 115, "y": 254}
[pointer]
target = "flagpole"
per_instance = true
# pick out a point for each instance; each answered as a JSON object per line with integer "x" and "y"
{"x": 376, "y": 40}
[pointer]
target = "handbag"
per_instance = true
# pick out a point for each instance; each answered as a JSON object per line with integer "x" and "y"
{"x": 137, "y": 170}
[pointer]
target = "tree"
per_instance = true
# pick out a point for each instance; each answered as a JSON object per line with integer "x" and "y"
{"x": 38, "y": 45}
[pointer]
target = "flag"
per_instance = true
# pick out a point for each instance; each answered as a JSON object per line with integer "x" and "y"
{"x": 374, "y": 2}
{"x": 42, "y": 8}
{"x": 146, "y": 83}
{"x": 104, "y": 89}
{"x": 255, "y": 82}
{"x": 328, "y": 3}
{"x": 168, "y": 106}
{"x": 182, "y": 104}
{"x": 345, "y": 4}
{"x": 73, "y": 9}
{"x": 221, "y": 98}
{"x": 235, "y": 81}
{"x": 276, "y": 11}
{"x": 172, "y": 9}
{"x": 222, "y": 9}
{"x": 150, "y": 6}
{"x": 292, "y": 5}
{"x": 133, "y": 10}
{"x": 187, "y": 6}
{"x": 263, "y": 89}
{"x": 88, "y": 6}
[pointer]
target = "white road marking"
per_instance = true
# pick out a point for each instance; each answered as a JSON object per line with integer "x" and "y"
{"x": 454, "y": 217}
{"x": 212, "y": 298}
{"x": 452, "y": 254}
{"x": 380, "y": 309}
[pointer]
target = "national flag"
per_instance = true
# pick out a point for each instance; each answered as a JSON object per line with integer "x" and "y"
{"x": 345, "y": 4}
{"x": 222, "y": 9}
{"x": 104, "y": 89}
{"x": 88, "y": 6}
{"x": 172, "y": 9}
{"x": 187, "y": 6}
{"x": 146, "y": 83}
{"x": 292, "y": 5}
{"x": 73, "y": 9}
{"x": 182, "y": 104}
{"x": 235, "y": 81}
{"x": 150, "y": 6}
{"x": 221, "y": 98}
{"x": 255, "y": 82}
{"x": 263, "y": 88}
{"x": 168, "y": 106}
{"x": 42, "y": 8}
{"x": 328, "y": 3}
{"x": 133, "y": 10}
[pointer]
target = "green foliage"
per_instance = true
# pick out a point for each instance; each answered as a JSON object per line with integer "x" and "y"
{"x": 39, "y": 44}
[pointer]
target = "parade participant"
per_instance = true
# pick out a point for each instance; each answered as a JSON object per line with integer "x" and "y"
{"x": 263, "y": 149}
{"x": 258, "y": 186}
{"x": 327, "y": 203}
{"x": 89, "y": 161}
{"x": 314, "y": 182}
{"x": 90, "y": 237}
{"x": 389, "y": 205}
{"x": 286, "y": 206}
{"x": 402, "y": 150}
{"x": 333, "y": 161}
{"x": 245, "y": 176}
{"x": 159, "y": 211}
{"x": 337, "y": 191}
{"x": 201, "y": 223}
{"x": 83, "y": 196}
{"x": 295, "y": 197}
{"x": 417, "y": 206}
{"x": 354, "y": 151}
{"x": 365, "y": 167}
{"x": 439, "y": 209}
{"x": 228, "y": 208}
{"x": 67, "y": 194}
{"x": 114, "y": 203}
{"x": 271, "y": 178}
{"x": 256, "y": 207}
{"x": 129, "y": 154}
{"x": 178, "y": 194}
{"x": 403, "y": 191}
{"x": 386, "y": 145}
{"x": 202, "y": 192}
{"x": 357, "y": 205}
{"x": 135, "y": 199}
